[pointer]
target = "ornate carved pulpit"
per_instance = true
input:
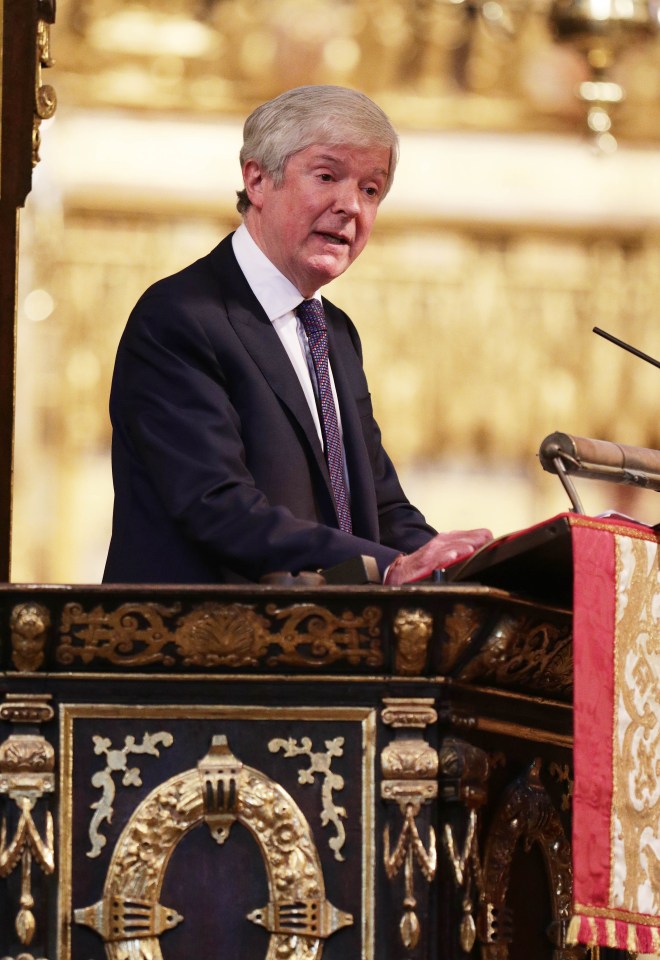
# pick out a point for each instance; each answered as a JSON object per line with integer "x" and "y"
{"x": 274, "y": 772}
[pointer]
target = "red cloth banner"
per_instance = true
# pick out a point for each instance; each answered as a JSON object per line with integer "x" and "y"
{"x": 616, "y": 799}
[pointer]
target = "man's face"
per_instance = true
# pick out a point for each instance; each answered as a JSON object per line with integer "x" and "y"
{"x": 316, "y": 222}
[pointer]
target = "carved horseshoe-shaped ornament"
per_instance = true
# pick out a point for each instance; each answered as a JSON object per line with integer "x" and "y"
{"x": 218, "y": 792}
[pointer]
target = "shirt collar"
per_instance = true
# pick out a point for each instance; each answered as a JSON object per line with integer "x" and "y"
{"x": 276, "y": 294}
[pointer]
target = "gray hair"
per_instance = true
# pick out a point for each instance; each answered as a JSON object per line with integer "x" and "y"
{"x": 307, "y": 115}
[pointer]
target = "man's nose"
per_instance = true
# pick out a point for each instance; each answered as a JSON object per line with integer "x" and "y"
{"x": 347, "y": 198}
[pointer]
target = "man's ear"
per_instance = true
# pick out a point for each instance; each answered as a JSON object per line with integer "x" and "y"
{"x": 253, "y": 178}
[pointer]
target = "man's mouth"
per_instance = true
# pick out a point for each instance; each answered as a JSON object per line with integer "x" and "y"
{"x": 335, "y": 238}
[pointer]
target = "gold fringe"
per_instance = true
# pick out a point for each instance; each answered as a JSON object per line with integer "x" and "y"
{"x": 611, "y": 938}
{"x": 631, "y": 946}
{"x": 573, "y": 930}
{"x": 610, "y": 933}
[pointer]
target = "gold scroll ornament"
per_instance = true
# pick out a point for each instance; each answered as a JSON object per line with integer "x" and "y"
{"x": 320, "y": 763}
{"x": 219, "y": 635}
{"x": 117, "y": 762}
{"x": 219, "y": 791}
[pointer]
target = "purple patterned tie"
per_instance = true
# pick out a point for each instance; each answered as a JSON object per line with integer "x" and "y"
{"x": 312, "y": 316}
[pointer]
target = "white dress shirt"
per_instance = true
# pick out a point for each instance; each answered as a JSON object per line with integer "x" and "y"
{"x": 279, "y": 299}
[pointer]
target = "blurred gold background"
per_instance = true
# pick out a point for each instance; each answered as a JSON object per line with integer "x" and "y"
{"x": 506, "y": 237}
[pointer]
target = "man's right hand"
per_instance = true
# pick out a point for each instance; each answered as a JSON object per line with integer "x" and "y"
{"x": 443, "y": 549}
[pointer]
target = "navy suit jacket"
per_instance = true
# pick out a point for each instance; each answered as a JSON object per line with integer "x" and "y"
{"x": 218, "y": 470}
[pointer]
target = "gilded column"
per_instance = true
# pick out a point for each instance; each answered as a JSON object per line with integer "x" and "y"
{"x": 27, "y": 777}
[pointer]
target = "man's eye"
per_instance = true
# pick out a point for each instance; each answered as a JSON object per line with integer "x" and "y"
{"x": 326, "y": 177}
{"x": 371, "y": 191}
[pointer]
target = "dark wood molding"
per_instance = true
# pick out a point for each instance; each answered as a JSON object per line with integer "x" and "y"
{"x": 19, "y": 81}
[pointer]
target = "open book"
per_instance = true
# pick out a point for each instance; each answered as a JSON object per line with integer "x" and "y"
{"x": 535, "y": 562}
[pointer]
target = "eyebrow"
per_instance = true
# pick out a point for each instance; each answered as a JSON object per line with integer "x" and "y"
{"x": 333, "y": 159}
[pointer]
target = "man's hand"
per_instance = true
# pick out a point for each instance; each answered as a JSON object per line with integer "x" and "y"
{"x": 443, "y": 549}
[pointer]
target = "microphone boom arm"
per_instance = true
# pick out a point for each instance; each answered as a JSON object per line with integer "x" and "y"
{"x": 564, "y": 454}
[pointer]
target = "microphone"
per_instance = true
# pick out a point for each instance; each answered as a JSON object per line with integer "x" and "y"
{"x": 626, "y": 346}
{"x": 564, "y": 454}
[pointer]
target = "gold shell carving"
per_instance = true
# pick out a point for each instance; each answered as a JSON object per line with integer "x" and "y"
{"x": 298, "y": 916}
{"x": 222, "y": 635}
{"x": 216, "y": 635}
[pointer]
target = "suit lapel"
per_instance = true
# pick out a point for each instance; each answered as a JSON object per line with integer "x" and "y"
{"x": 258, "y": 336}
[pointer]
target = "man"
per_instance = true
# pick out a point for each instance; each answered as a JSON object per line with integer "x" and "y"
{"x": 237, "y": 450}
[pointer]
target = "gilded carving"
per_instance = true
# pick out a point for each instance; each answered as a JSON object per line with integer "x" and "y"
{"x": 413, "y": 630}
{"x": 28, "y": 625}
{"x": 103, "y": 780}
{"x": 461, "y": 627}
{"x": 133, "y": 635}
{"x": 45, "y": 99}
{"x": 220, "y": 772}
{"x": 325, "y": 637}
{"x": 26, "y": 708}
{"x": 220, "y": 791}
{"x": 464, "y": 771}
{"x": 410, "y": 759}
{"x": 465, "y": 866}
{"x": 562, "y": 773}
{"x": 526, "y": 814}
{"x": 523, "y": 651}
{"x": 409, "y": 766}
{"x": 23, "y": 956}
{"x": 220, "y": 635}
{"x": 409, "y": 849}
{"x": 27, "y": 763}
{"x": 320, "y": 763}
{"x": 404, "y": 713}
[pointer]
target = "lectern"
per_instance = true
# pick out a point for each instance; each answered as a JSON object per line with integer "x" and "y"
{"x": 249, "y": 772}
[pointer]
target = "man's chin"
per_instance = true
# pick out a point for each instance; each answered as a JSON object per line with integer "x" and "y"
{"x": 329, "y": 266}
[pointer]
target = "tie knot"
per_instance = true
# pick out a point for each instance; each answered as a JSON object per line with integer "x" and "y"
{"x": 312, "y": 316}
